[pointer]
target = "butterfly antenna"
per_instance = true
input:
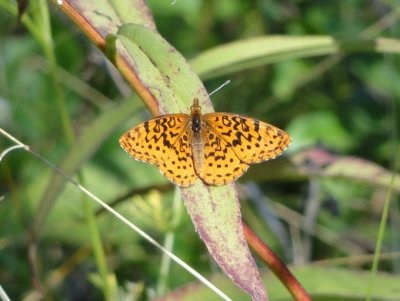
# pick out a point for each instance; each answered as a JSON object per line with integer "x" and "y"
{"x": 216, "y": 90}
{"x": 220, "y": 87}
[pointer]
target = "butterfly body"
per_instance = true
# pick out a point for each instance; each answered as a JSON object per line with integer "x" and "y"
{"x": 216, "y": 147}
{"x": 196, "y": 138}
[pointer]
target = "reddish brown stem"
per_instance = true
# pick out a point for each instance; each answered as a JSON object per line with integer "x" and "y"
{"x": 276, "y": 265}
{"x": 98, "y": 37}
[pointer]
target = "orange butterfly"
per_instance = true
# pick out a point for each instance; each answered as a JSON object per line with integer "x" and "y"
{"x": 216, "y": 147}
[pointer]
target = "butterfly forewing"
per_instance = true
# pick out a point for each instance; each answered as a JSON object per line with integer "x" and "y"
{"x": 152, "y": 140}
{"x": 252, "y": 140}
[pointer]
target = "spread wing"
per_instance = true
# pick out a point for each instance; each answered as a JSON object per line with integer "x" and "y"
{"x": 163, "y": 141}
{"x": 177, "y": 163}
{"x": 151, "y": 140}
{"x": 221, "y": 165}
{"x": 252, "y": 140}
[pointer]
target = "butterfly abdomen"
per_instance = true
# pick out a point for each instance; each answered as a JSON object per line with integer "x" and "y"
{"x": 198, "y": 151}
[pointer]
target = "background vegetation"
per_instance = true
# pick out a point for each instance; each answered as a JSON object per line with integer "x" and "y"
{"x": 333, "y": 106}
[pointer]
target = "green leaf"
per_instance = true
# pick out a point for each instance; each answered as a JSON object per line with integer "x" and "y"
{"x": 161, "y": 69}
{"x": 323, "y": 284}
{"x": 255, "y": 52}
{"x": 214, "y": 211}
{"x": 322, "y": 163}
{"x": 319, "y": 127}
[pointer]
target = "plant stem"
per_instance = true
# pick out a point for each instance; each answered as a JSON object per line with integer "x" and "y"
{"x": 381, "y": 232}
{"x": 276, "y": 265}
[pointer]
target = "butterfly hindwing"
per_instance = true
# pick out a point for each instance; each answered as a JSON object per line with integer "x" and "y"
{"x": 221, "y": 165}
{"x": 177, "y": 164}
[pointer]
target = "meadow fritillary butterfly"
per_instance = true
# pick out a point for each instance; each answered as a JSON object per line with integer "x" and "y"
{"x": 216, "y": 147}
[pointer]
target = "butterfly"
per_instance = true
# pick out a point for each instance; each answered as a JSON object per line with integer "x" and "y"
{"x": 215, "y": 147}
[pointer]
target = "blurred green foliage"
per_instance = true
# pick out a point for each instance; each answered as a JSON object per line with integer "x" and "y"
{"x": 347, "y": 103}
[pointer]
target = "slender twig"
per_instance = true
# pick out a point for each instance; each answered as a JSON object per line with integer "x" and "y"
{"x": 3, "y": 295}
{"x": 381, "y": 231}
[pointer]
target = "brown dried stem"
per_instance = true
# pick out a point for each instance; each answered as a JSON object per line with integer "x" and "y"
{"x": 277, "y": 266}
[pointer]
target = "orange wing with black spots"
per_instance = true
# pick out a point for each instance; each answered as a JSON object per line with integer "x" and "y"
{"x": 217, "y": 147}
{"x": 177, "y": 164}
{"x": 221, "y": 164}
{"x": 163, "y": 141}
{"x": 252, "y": 140}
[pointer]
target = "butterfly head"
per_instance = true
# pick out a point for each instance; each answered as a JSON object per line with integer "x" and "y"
{"x": 195, "y": 108}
